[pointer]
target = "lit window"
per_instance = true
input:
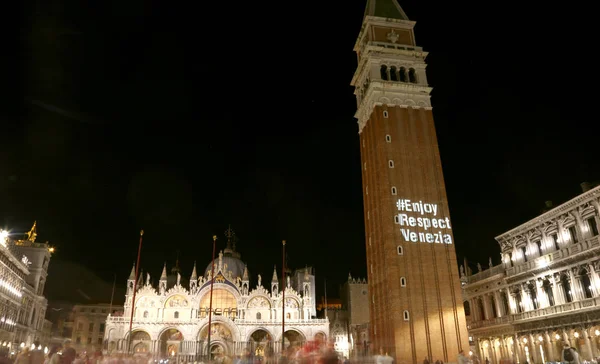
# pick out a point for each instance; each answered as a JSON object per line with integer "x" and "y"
{"x": 403, "y": 282}
{"x": 406, "y": 317}
{"x": 385, "y": 114}
{"x": 400, "y": 250}
{"x": 391, "y": 163}
{"x": 388, "y": 138}
{"x": 394, "y": 191}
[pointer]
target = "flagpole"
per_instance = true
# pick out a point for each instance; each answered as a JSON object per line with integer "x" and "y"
{"x": 112, "y": 295}
{"x": 212, "y": 280}
{"x": 283, "y": 301}
{"x": 137, "y": 270}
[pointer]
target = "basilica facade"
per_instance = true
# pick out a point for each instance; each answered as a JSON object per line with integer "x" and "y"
{"x": 546, "y": 291}
{"x": 172, "y": 319}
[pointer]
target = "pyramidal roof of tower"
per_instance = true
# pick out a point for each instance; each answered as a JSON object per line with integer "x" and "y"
{"x": 385, "y": 9}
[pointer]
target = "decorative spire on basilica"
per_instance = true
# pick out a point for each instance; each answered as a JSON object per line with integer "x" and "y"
{"x": 132, "y": 274}
{"x": 274, "y": 279}
{"x": 163, "y": 276}
{"x": 194, "y": 274}
{"x": 245, "y": 275}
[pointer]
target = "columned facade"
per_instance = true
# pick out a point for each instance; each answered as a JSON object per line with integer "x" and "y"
{"x": 547, "y": 288}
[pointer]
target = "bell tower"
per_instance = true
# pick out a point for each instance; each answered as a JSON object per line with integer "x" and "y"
{"x": 416, "y": 308}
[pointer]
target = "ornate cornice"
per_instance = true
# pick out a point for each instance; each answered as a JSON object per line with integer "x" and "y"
{"x": 550, "y": 215}
{"x": 390, "y": 93}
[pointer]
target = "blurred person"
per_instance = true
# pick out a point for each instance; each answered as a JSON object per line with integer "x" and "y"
{"x": 54, "y": 355}
{"x": 570, "y": 355}
{"x": 23, "y": 357}
{"x": 68, "y": 353}
{"x": 383, "y": 358}
{"x": 462, "y": 359}
{"x": 37, "y": 354}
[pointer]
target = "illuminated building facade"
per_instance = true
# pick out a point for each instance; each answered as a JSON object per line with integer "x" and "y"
{"x": 416, "y": 304}
{"x": 172, "y": 320}
{"x": 23, "y": 274}
{"x": 545, "y": 292}
{"x": 349, "y": 318}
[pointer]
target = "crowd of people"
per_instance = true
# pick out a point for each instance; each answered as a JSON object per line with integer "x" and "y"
{"x": 312, "y": 352}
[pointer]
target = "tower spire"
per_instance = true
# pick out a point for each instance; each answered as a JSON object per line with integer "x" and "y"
{"x": 385, "y": 9}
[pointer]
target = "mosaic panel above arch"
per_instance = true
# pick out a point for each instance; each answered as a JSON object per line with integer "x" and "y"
{"x": 176, "y": 301}
{"x": 259, "y": 302}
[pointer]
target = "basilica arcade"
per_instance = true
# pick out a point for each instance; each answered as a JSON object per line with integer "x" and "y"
{"x": 172, "y": 319}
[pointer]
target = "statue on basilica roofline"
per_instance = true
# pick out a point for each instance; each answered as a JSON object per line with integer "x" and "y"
{"x": 32, "y": 234}
{"x": 259, "y": 280}
{"x": 490, "y": 262}
{"x": 479, "y": 269}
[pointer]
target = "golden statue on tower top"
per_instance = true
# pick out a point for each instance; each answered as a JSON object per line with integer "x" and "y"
{"x": 32, "y": 234}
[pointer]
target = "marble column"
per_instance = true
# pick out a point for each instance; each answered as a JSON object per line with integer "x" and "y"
{"x": 526, "y": 297}
{"x": 549, "y": 347}
{"x": 594, "y": 280}
{"x": 561, "y": 297}
{"x": 499, "y": 305}
{"x": 588, "y": 345}
{"x": 541, "y": 295}
{"x": 512, "y": 302}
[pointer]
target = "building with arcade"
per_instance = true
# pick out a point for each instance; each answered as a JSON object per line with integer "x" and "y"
{"x": 172, "y": 319}
{"x": 546, "y": 291}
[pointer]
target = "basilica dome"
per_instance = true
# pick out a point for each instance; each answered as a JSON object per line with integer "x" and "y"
{"x": 231, "y": 258}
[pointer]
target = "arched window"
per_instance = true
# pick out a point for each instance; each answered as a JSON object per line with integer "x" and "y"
{"x": 145, "y": 314}
{"x": 391, "y": 163}
{"x": 384, "y": 72}
{"x": 402, "y": 282}
{"x": 400, "y": 250}
{"x": 394, "y": 191}
{"x": 412, "y": 75}
{"x": 385, "y": 114}
{"x": 288, "y": 316}
{"x": 258, "y": 316}
{"x": 403, "y": 75}
{"x": 393, "y": 73}
{"x": 176, "y": 315}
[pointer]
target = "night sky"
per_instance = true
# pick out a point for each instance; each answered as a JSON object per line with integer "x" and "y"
{"x": 182, "y": 119}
